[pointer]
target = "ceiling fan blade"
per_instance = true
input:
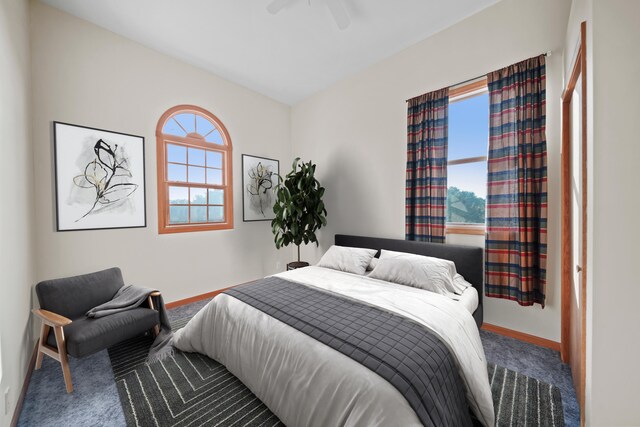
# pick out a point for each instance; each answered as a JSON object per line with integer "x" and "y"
{"x": 277, "y": 5}
{"x": 339, "y": 14}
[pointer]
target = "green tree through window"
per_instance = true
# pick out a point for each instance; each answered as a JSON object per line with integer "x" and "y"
{"x": 464, "y": 206}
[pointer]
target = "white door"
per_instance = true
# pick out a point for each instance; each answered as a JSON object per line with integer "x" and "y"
{"x": 576, "y": 225}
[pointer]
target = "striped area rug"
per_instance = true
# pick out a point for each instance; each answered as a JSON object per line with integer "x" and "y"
{"x": 519, "y": 400}
{"x": 190, "y": 389}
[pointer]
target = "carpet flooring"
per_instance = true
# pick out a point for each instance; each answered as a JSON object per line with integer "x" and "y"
{"x": 96, "y": 402}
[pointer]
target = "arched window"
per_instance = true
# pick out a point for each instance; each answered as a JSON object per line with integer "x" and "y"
{"x": 195, "y": 191}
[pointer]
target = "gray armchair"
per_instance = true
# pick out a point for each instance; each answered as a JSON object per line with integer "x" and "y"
{"x": 66, "y": 329}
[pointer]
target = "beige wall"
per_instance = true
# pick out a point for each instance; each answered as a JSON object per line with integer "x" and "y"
{"x": 16, "y": 208}
{"x": 86, "y": 75}
{"x": 356, "y": 132}
{"x": 615, "y": 154}
{"x": 612, "y": 380}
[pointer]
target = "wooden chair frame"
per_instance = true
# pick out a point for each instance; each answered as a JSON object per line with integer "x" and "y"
{"x": 57, "y": 322}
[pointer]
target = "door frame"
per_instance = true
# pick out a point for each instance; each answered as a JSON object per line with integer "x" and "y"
{"x": 579, "y": 69}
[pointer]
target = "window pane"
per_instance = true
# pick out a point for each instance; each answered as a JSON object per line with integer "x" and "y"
{"x": 203, "y": 126}
{"x": 216, "y": 214}
{"x": 214, "y": 159}
{"x": 172, "y": 128}
{"x": 176, "y": 153}
{"x": 198, "y": 214}
{"x": 469, "y": 127}
{"x": 214, "y": 176}
{"x": 466, "y": 193}
{"x": 216, "y": 197}
{"x": 215, "y": 137}
{"x": 187, "y": 121}
{"x": 178, "y": 196}
{"x": 196, "y": 174}
{"x": 177, "y": 172}
{"x": 178, "y": 214}
{"x": 196, "y": 157}
{"x": 198, "y": 196}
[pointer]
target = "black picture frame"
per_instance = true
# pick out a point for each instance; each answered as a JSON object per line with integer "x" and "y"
{"x": 91, "y": 133}
{"x": 249, "y": 214}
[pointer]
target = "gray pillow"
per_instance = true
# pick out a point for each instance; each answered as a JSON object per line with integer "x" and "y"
{"x": 350, "y": 260}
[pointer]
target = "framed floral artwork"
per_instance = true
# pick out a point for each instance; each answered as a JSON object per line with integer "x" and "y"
{"x": 259, "y": 181}
{"x": 99, "y": 178}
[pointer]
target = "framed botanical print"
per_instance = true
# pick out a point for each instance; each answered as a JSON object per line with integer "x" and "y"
{"x": 100, "y": 181}
{"x": 259, "y": 181}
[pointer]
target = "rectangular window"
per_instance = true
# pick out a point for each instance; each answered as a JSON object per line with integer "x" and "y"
{"x": 199, "y": 166}
{"x": 468, "y": 143}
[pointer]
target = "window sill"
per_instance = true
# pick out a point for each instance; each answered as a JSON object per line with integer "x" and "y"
{"x": 187, "y": 228}
{"x": 478, "y": 230}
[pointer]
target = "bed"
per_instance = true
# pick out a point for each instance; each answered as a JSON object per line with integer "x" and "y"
{"x": 317, "y": 345}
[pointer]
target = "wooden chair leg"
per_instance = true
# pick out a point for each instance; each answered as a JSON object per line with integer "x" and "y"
{"x": 64, "y": 360}
{"x": 156, "y": 329}
{"x": 44, "y": 334}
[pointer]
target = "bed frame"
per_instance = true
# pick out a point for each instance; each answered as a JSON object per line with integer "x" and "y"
{"x": 469, "y": 260}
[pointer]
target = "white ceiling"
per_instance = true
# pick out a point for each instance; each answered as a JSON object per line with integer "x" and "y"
{"x": 287, "y": 56}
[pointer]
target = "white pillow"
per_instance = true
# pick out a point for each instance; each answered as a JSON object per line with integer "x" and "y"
{"x": 350, "y": 260}
{"x": 460, "y": 284}
{"x": 423, "y": 272}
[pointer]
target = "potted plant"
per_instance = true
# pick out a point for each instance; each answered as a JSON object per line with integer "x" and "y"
{"x": 299, "y": 210}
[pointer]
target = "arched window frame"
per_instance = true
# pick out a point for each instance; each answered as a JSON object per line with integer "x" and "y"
{"x": 195, "y": 141}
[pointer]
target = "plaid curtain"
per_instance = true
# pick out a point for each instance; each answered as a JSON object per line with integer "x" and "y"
{"x": 426, "y": 185}
{"x": 516, "y": 241}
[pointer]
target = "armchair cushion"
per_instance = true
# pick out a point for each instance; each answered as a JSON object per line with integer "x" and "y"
{"x": 86, "y": 336}
{"x": 72, "y": 297}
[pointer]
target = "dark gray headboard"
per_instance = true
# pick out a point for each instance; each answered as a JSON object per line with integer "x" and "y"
{"x": 468, "y": 259}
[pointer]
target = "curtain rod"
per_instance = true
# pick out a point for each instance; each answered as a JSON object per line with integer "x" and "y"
{"x": 478, "y": 77}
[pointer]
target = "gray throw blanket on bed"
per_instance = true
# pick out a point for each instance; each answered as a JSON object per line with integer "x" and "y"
{"x": 408, "y": 355}
{"x": 130, "y": 297}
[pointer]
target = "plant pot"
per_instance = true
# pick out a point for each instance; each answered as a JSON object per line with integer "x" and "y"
{"x": 297, "y": 264}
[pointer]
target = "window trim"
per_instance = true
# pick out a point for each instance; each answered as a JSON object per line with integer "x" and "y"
{"x": 164, "y": 227}
{"x": 467, "y": 160}
{"x": 460, "y": 93}
{"x": 464, "y": 228}
{"x": 468, "y": 90}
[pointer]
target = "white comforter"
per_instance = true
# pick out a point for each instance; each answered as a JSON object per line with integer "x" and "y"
{"x": 306, "y": 383}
